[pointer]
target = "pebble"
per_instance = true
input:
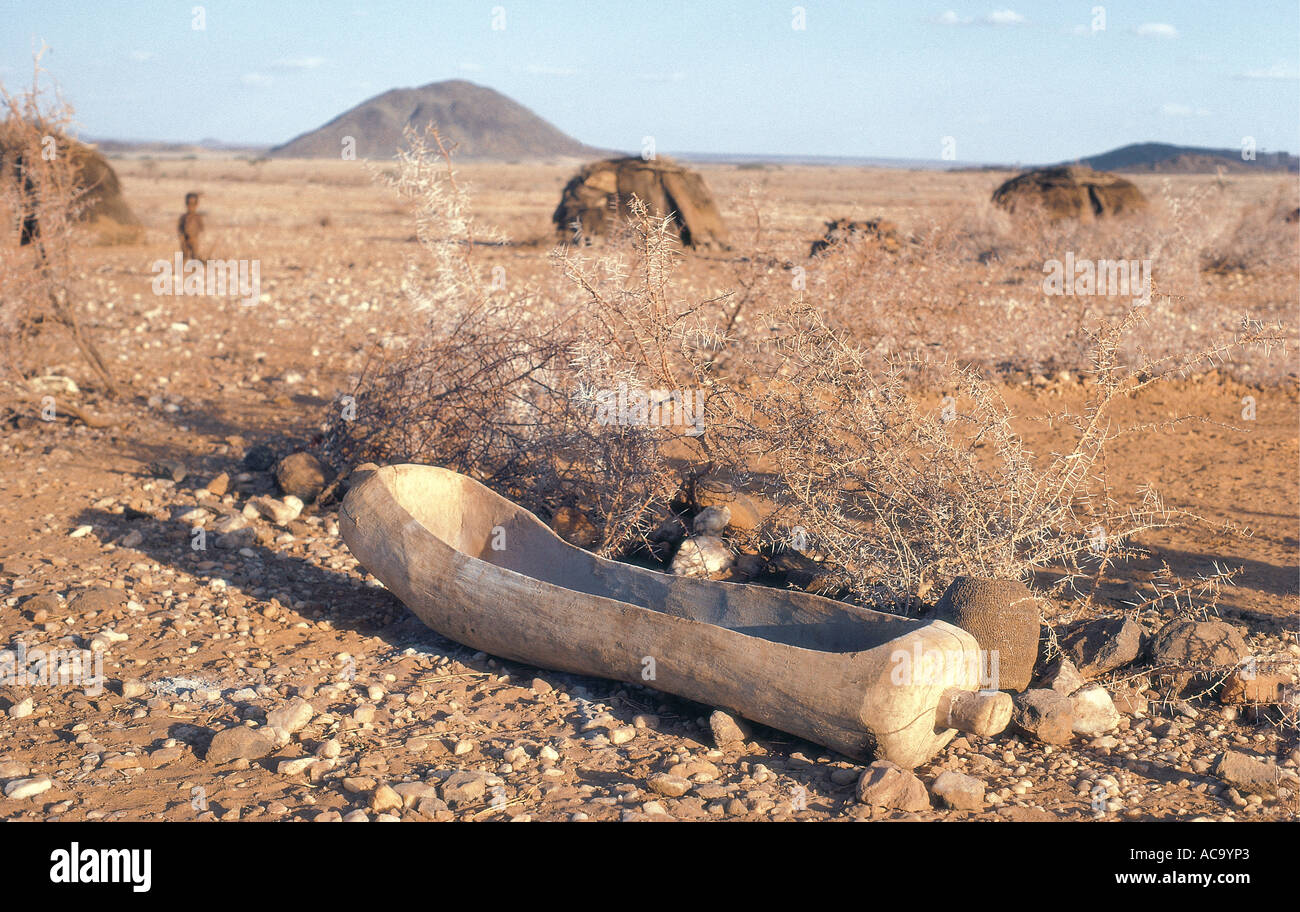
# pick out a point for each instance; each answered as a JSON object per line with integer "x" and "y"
{"x": 294, "y": 716}
{"x": 701, "y": 556}
{"x": 959, "y": 791}
{"x": 1093, "y": 711}
{"x": 296, "y": 767}
{"x": 463, "y": 786}
{"x": 239, "y": 743}
{"x": 711, "y": 520}
{"x": 844, "y": 776}
{"x": 19, "y": 789}
{"x": 385, "y": 798}
{"x": 726, "y": 730}
{"x": 669, "y": 785}
{"x": 363, "y": 714}
{"x": 884, "y": 784}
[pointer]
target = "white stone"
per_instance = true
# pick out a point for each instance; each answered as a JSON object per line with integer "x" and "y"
{"x": 711, "y": 520}
{"x": 702, "y": 556}
{"x": 1093, "y": 710}
{"x": 27, "y": 788}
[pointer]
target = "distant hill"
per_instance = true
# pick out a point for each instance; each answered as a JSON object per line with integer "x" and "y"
{"x": 130, "y": 147}
{"x": 1167, "y": 159}
{"x": 485, "y": 124}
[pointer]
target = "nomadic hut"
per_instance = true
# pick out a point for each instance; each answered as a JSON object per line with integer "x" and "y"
{"x": 602, "y": 192}
{"x": 98, "y": 191}
{"x": 1070, "y": 191}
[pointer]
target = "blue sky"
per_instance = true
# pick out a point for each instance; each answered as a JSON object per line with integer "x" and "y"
{"x": 1014, "y": 81}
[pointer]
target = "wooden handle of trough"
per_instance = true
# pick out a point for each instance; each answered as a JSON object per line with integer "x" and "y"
{"x": 979, "y": 712}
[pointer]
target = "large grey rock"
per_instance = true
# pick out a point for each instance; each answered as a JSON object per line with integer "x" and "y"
{"x": 1103, "y": 645}
{"x": 1188, "y": 642}
{"x": 883, "y": 784}
{"x": 1188, "y": 654}
{"x": 1045, "y": 715}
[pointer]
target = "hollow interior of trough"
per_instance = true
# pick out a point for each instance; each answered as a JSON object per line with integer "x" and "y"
{"x": 475, "y": 521}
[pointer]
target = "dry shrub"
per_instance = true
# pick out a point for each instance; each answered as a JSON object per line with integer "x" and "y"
{"x": 41, "y": 199}
{"x": 1258, "y": 239}
{"x": 498, "y": 380}
{"x": 896, "y": 489}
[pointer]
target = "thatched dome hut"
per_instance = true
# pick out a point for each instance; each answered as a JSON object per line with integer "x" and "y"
{"x": 98, "y": 191}
{"x": 1070, "y": 191}
{"x": 602, "y": 191}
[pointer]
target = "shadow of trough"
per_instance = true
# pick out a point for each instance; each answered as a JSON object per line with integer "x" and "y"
{"x": 347, "y": 603}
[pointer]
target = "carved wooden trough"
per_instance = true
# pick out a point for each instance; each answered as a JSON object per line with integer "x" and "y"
{"x": 487, "y": 573}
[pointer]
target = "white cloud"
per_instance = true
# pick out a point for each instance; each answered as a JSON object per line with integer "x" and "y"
{"x": 1173, "y": 109}
{"x": 298, "y": 63}
{"x": 1004, "y": 17}
{"x": 256, "y": 80}
{"x": 996, "y": 17}
{"x": 951, "y": 18}
{"x": 1157, "y": 30}
{"x": 471, "y": 68}
{"x": 1277, "y": 71}
{"x": 141, "y": 56}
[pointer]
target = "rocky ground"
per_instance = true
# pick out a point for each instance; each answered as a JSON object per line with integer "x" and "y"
{"x": 266, "y": 676}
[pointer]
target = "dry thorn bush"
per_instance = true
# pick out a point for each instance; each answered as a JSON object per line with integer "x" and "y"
{"x": 808, "y": 401}
{"x": 41, "y": 200}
